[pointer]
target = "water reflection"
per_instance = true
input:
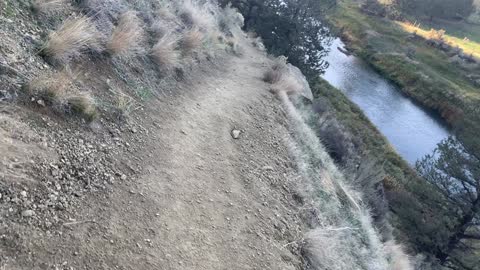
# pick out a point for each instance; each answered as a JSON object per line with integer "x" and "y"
{"x": 409, "y": 128}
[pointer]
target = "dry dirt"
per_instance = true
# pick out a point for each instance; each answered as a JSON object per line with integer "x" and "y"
{"x": 170, "y": 189}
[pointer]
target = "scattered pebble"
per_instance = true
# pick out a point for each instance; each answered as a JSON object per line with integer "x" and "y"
{"x": 235, "y": 134}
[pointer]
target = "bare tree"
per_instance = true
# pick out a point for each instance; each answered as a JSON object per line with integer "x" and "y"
{"x": 455, "y": 173}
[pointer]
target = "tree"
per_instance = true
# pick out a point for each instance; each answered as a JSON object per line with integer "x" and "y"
{"x": 292, "y": 28}
{"x": 455, "y": 173}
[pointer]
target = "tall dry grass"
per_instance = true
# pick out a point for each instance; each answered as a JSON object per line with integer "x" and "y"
{"x": 276, "y": 71}
{"x": 50, "y": 88}
{"x": 230, "y": 20}
{"x": 165, "y": 52}
{"x": 191, "y": 41}
{"x": 344, "y": 237}
{"x": 281, "y": 78}
{"x": 50, "y": 6}
{"x": 57, "y": 91}
{"x": 81, "y": 104}
{"x": 74, "y": 37}
{"x": 127, "y": 37}
{"x": 197, "y": 15}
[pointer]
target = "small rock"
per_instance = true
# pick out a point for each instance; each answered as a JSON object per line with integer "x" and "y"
{"x": 235, "y": 133}
{"x": 183, "y": 132}
{"x": 28, "y": 213}
{"x": 123, "y": 177}
{"x": 41, "y": 102}
{"x": 267, "y": 168}
{"x": 23, "y": 193}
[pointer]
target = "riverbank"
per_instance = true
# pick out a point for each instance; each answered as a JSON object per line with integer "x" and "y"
{"x": 411, "y": 202}
{"x": 426, "y": 74}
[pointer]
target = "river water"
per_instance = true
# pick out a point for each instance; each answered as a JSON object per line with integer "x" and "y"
{"x": 412, "y": 131}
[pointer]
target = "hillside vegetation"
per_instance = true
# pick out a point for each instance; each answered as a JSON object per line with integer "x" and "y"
{"x": 439, "y": 70}
{"x": 142, "y": 134}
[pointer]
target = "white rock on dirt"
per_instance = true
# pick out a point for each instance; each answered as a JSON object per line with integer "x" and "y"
{"x": 236, "y": 134}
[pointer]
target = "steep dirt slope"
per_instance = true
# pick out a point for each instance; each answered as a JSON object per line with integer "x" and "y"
{"x": 195, "y": 197}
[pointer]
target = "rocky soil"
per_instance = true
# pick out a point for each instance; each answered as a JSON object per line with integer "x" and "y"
{"x": 196, "y": 177}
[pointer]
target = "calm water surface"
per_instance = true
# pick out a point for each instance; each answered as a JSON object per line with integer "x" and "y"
{"x": 410, "y": 129}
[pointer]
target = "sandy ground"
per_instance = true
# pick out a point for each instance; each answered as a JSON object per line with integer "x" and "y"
{"x": 197, "y": 198}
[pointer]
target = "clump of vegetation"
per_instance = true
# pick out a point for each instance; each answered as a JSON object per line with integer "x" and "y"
{"x": 455, "y": 173}
{"x": 124, "y": 105}
{"x": 281, "y": 78}
{"x": 127, "y": 37}
{"x": 234, "y": 47}
{"x": 436, "y": 34}
{"x": 82, "y": 104}
{"x": 230, "y": 20}
{"x": 50, "y": 6}
{"x": 50, "y": 89}
{"x": 276, "y": 70}
{"x": 74, "y": 37}
{"x": 57, "y": 92}
{"x": 165, "y": 52}
{"x": 196, "y": 15}
{"x": 191, "y": 41}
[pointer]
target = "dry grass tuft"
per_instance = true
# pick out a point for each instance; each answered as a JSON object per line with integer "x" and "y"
{"x": 165, "y": 52}
{"x": 230, "y": 20}
{"x": 194, "y": 15}
{"x": 398, "y": 259}
{"x": 82, "y": 104}
{"x": 234, "y": 47}
{"x": 57, "y": 92}
{"x": 158, "y": 29}
{"x": 50, "y": 89}
{"x": 276, "y": 71}
{"x": 124, "y": 105}
{"x": 288, "y": 84}
{"x": 127, "y": 37}
{"x": 191, "y": 41}
{"x": 73, "y": 38}
{"x": 50, "y": 6}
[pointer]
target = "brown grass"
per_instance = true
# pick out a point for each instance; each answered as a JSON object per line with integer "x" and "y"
{"x": 50, "y": 88}
{"x": 195, "y": 15}
{"x": 50, "y": 6}
{"x": 165, "y": 52}
{"x": 191, "y": 41}
{"x": 288, "y": 84}
{"x": 82, "y": 104}
{"x": 276, "y": 71}
{"x": 74, "y": 37}
{"x": 127, "y": 37}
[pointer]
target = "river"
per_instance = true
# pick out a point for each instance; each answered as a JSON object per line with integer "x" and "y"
{"x": 413, "y": 131}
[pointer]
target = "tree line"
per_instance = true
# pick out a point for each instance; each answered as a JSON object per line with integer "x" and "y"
{"x": 291, "y": 28}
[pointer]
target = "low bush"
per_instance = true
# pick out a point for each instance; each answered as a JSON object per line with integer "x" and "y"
{"x": 73, "y": 38}
{"x": 50, "y": 6}
{"x": 191, "y": 41}
{"x": 165, "y": 53}
{"x": 82, "y": 104}
{"x": 127, "y": 37}
{"x": 49, "y": 89}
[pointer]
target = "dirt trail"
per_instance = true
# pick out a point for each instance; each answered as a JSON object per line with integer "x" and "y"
{"x": 204, "y": 200}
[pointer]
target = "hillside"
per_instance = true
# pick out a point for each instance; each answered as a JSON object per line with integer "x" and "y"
{"x": 156, "y": 134}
